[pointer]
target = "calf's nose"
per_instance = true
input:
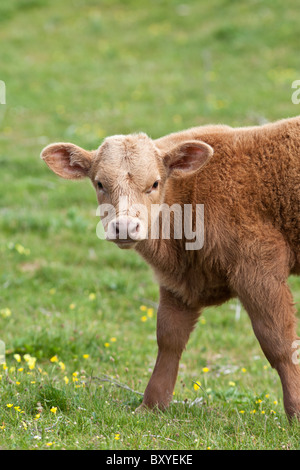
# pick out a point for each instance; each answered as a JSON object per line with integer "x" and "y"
{"x": 124, "y": 228}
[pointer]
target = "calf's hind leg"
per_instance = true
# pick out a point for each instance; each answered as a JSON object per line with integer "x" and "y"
{"x": 270, "y": 306}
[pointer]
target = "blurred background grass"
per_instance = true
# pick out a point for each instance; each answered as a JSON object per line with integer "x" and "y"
{"x": 81, "y": 70}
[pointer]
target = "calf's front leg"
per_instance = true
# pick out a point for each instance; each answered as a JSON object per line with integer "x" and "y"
{"x": 175, "y": 322}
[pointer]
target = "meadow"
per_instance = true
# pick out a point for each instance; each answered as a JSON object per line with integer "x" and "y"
{"x": 77, "y": 315}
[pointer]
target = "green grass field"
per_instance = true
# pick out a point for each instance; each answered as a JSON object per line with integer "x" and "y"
{"x": 77, "y": 315}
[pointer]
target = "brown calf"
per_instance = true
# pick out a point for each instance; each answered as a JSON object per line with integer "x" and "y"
{"x": 248, "y": 180}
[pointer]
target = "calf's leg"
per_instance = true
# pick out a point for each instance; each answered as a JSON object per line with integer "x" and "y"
{"x": 270, "y": 306}
{"x": 175, "y": 322}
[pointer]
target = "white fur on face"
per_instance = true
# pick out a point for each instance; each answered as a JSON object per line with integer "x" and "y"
{"x": 127, "y": 167}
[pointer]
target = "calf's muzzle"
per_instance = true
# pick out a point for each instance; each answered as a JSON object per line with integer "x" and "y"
{"x": 124, "y": 230}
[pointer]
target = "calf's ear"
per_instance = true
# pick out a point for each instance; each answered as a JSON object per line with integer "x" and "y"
{"x": 67, "y": 160}
{"x": 188, "y": 157}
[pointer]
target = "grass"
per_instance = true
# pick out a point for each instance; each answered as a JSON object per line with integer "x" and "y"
{"x": 76, "y": 313}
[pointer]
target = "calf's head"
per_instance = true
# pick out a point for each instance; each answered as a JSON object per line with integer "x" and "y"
{"x": 129, "y": 174}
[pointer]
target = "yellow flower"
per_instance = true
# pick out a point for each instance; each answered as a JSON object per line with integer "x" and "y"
{"x": 86, "y": 356}
{"x": 49, "y": 444}
{"x": 20, "y": 369}
{"x": 263, "y": 412}
{"x": 244, "y": 370}
{"x": 74, "y": 378}
{"x": 197, "y": 385}
{"x": 72, "y": 306}
{"x": 253, "y": 411}
{"x": 31, "y": 363}
{"x": 232, "y": 384}
{"x": 21, "y": 250}
{"x": 30, "y": 360}
{"x": 92, "y": 296}
{"x": 267, "y": 396}
{"x": 143, "y": 308}
{"x": 205, "y": 369}
{"x": 9, "y": 405}
{"x": 144, "y": 318}
{"x": 242, "y": 411}
{"x": 53, "y": 409}
{"x": 18, "y": 383}
{"x": 66, "y": 380}
{"x": 258, "y": 401}
{"x": 52, "y": 291}
{"x": 37, "y": 416}
{"x": 117, "y": 437}
{"x": 202, "y": 321}
{"x": 150, "y": 312}
{"x": 113, "y": 339}
{"x": 17, "y": 357}
{"x": 275, "y": 402}
{"x": 106, "y": 345}
{"x": 54, "y": 359}
{"x": 5, "y": 312}
{"x": 62, "y": 365}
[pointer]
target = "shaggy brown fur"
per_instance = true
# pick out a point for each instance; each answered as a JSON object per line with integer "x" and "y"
{"x": 250, "y": 189}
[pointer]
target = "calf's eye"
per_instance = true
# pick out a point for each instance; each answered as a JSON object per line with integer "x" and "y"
{"x": 155, "y": 184}
{"x": 100, "y": 185}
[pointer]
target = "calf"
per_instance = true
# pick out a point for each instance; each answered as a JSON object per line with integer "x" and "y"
{"x": 248, "y": 180}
